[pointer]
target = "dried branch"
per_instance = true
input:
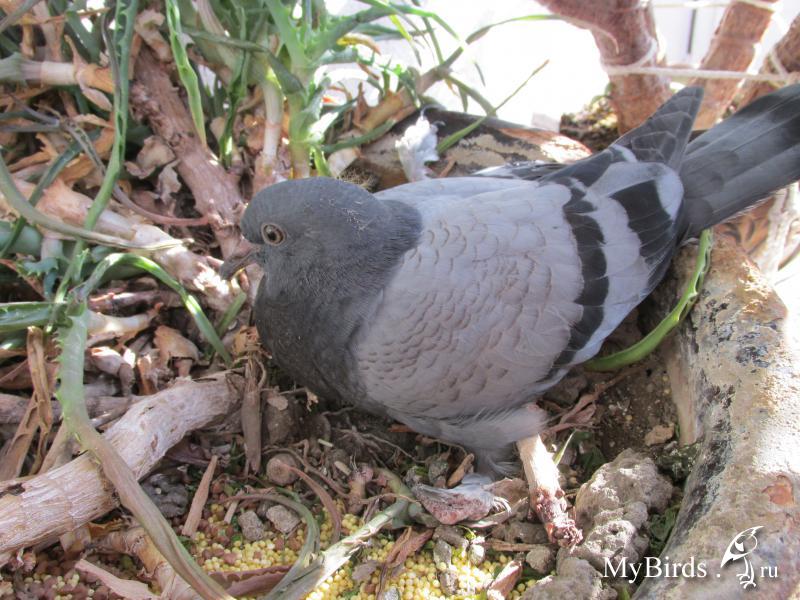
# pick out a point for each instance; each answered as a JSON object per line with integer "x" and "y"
{"x": 60, "y": 500}
{"x": 784, "y": 55}
{"x": 732, "y": 49}
{"x": 135, "y": 542}
{"x": 215, "y": 191}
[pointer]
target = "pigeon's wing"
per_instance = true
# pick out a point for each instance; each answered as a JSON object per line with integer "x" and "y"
{"x": 526, "y": 170}
{"x": 510, "y": 284}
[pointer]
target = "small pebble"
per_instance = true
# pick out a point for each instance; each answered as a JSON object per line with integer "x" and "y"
{"x": 252, "y": 526}
{"x": 659, "y": 434}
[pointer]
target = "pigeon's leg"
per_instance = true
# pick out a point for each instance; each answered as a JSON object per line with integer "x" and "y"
{"x": 547, "y": 497}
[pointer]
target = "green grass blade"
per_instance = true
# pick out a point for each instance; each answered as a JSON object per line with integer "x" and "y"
{"x": 650, "y": 342}
{"x": 48, "y": 178}
{"x": 145, "y": 264}
{"x": 479, "y": 33}
{"x": 454, "y": 138}
{"x": 16, "y": 316}
{"x": 20, "y": 238}
{"x": 21, "y": 205}
{"x": 119, "y": 53}
{"x": 83, "y": 36}
{"x": 185, "y": 71}
{"x": 288, "y": 33}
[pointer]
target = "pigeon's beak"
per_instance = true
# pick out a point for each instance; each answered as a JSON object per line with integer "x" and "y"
{"x": 244, "y": 254}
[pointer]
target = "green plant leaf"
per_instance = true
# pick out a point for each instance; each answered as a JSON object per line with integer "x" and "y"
{"x": 145, "y": 264}
{"x": 651, "y": 341}
{"x": 16, "y": 316}
{"x": 185, "y": 70}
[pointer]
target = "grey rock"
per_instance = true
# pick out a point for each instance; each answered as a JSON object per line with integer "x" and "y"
{"x": 659, "y": 434}
{"x": 678, "y": 461}
{"x": 743, "y": 419}
{"x": 541, "y": 558}
{"x": 168, "y": 494}
{"x": 448, "y": 580}
{"x": 442, "y": 552}
{"x": 252, "y": 527}
{"x": 629, "y": 478}
{"x": 452, "y": 535}
{"x": 476, "y": 553}
{"x": 612, "y": 508}
{"x": 391, "y": 594}
{"x": 575, "y": 579}
{"x": 283, "y": 519}
{"x": 525, "y": 533}
{"x": 262, "y": 509}
{"x": 437, "y": 472}
{"x": 614, "y": 540}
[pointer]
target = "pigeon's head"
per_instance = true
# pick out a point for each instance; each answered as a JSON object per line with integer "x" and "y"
{"x": 302, "y": 223}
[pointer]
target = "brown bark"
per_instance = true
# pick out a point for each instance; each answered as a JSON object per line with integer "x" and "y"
{"x": 732, "y": 49}
{"x": 624, "y": 31}
{"x": 787, "y": 52}
{"x": 12, "y": 408}
{"x": 69, "y": 496}
{"x": 216, "y": 192}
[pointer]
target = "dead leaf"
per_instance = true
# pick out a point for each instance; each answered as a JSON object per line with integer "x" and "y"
{"x": 276, "y": 399}
{"x": 147, "y": 26}
{"x": 254, "y": 582}
{"x": 155, "y": 153}
{"x": 38, "y": 415}
{"x": 171, "y": 344}
{"x": 363, "y": 571}
{"x": 505, "y": 581}
{"x": 255, "y": 378}
{"x": 245, "y": 341}
{"x": 407, "y": 544}
{"x": 199, "y": 500}
{"x": 168, "y": 183}
{"x": 133, "y": 590}
{"x": 460, "y": 471}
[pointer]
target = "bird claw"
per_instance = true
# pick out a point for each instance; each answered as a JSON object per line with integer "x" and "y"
{"x": 552, "y": 512}
{"x": 468, "y": 501}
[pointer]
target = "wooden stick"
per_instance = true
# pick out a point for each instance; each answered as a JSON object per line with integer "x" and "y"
{"x": 60, "y": 500}
{"x": 215, "y": 191}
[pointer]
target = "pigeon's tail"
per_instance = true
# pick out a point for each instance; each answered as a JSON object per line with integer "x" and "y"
{"x": 742, "y": 160}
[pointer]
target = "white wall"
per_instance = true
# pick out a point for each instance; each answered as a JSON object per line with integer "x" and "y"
{"x": 573, "y": 76}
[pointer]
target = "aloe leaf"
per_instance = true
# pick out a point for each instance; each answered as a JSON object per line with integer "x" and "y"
{"x": 16, "y": 316}
{"x": 186, "y": 72}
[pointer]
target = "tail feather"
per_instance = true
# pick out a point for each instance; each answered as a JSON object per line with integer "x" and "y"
{"x": 663, "y": 137}
{"x": 742, "y": 160}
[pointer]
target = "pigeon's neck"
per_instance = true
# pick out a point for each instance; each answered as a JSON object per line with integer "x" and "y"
{"x": 311, "y": 318}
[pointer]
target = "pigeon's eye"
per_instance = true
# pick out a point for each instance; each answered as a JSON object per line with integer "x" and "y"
{"x": 272, "y": 234}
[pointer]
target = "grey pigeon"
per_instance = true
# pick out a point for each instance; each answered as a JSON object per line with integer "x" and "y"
{"x": 449, "y": 304}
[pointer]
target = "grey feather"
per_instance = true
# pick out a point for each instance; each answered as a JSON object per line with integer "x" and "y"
{"x": 742, "y": 160}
